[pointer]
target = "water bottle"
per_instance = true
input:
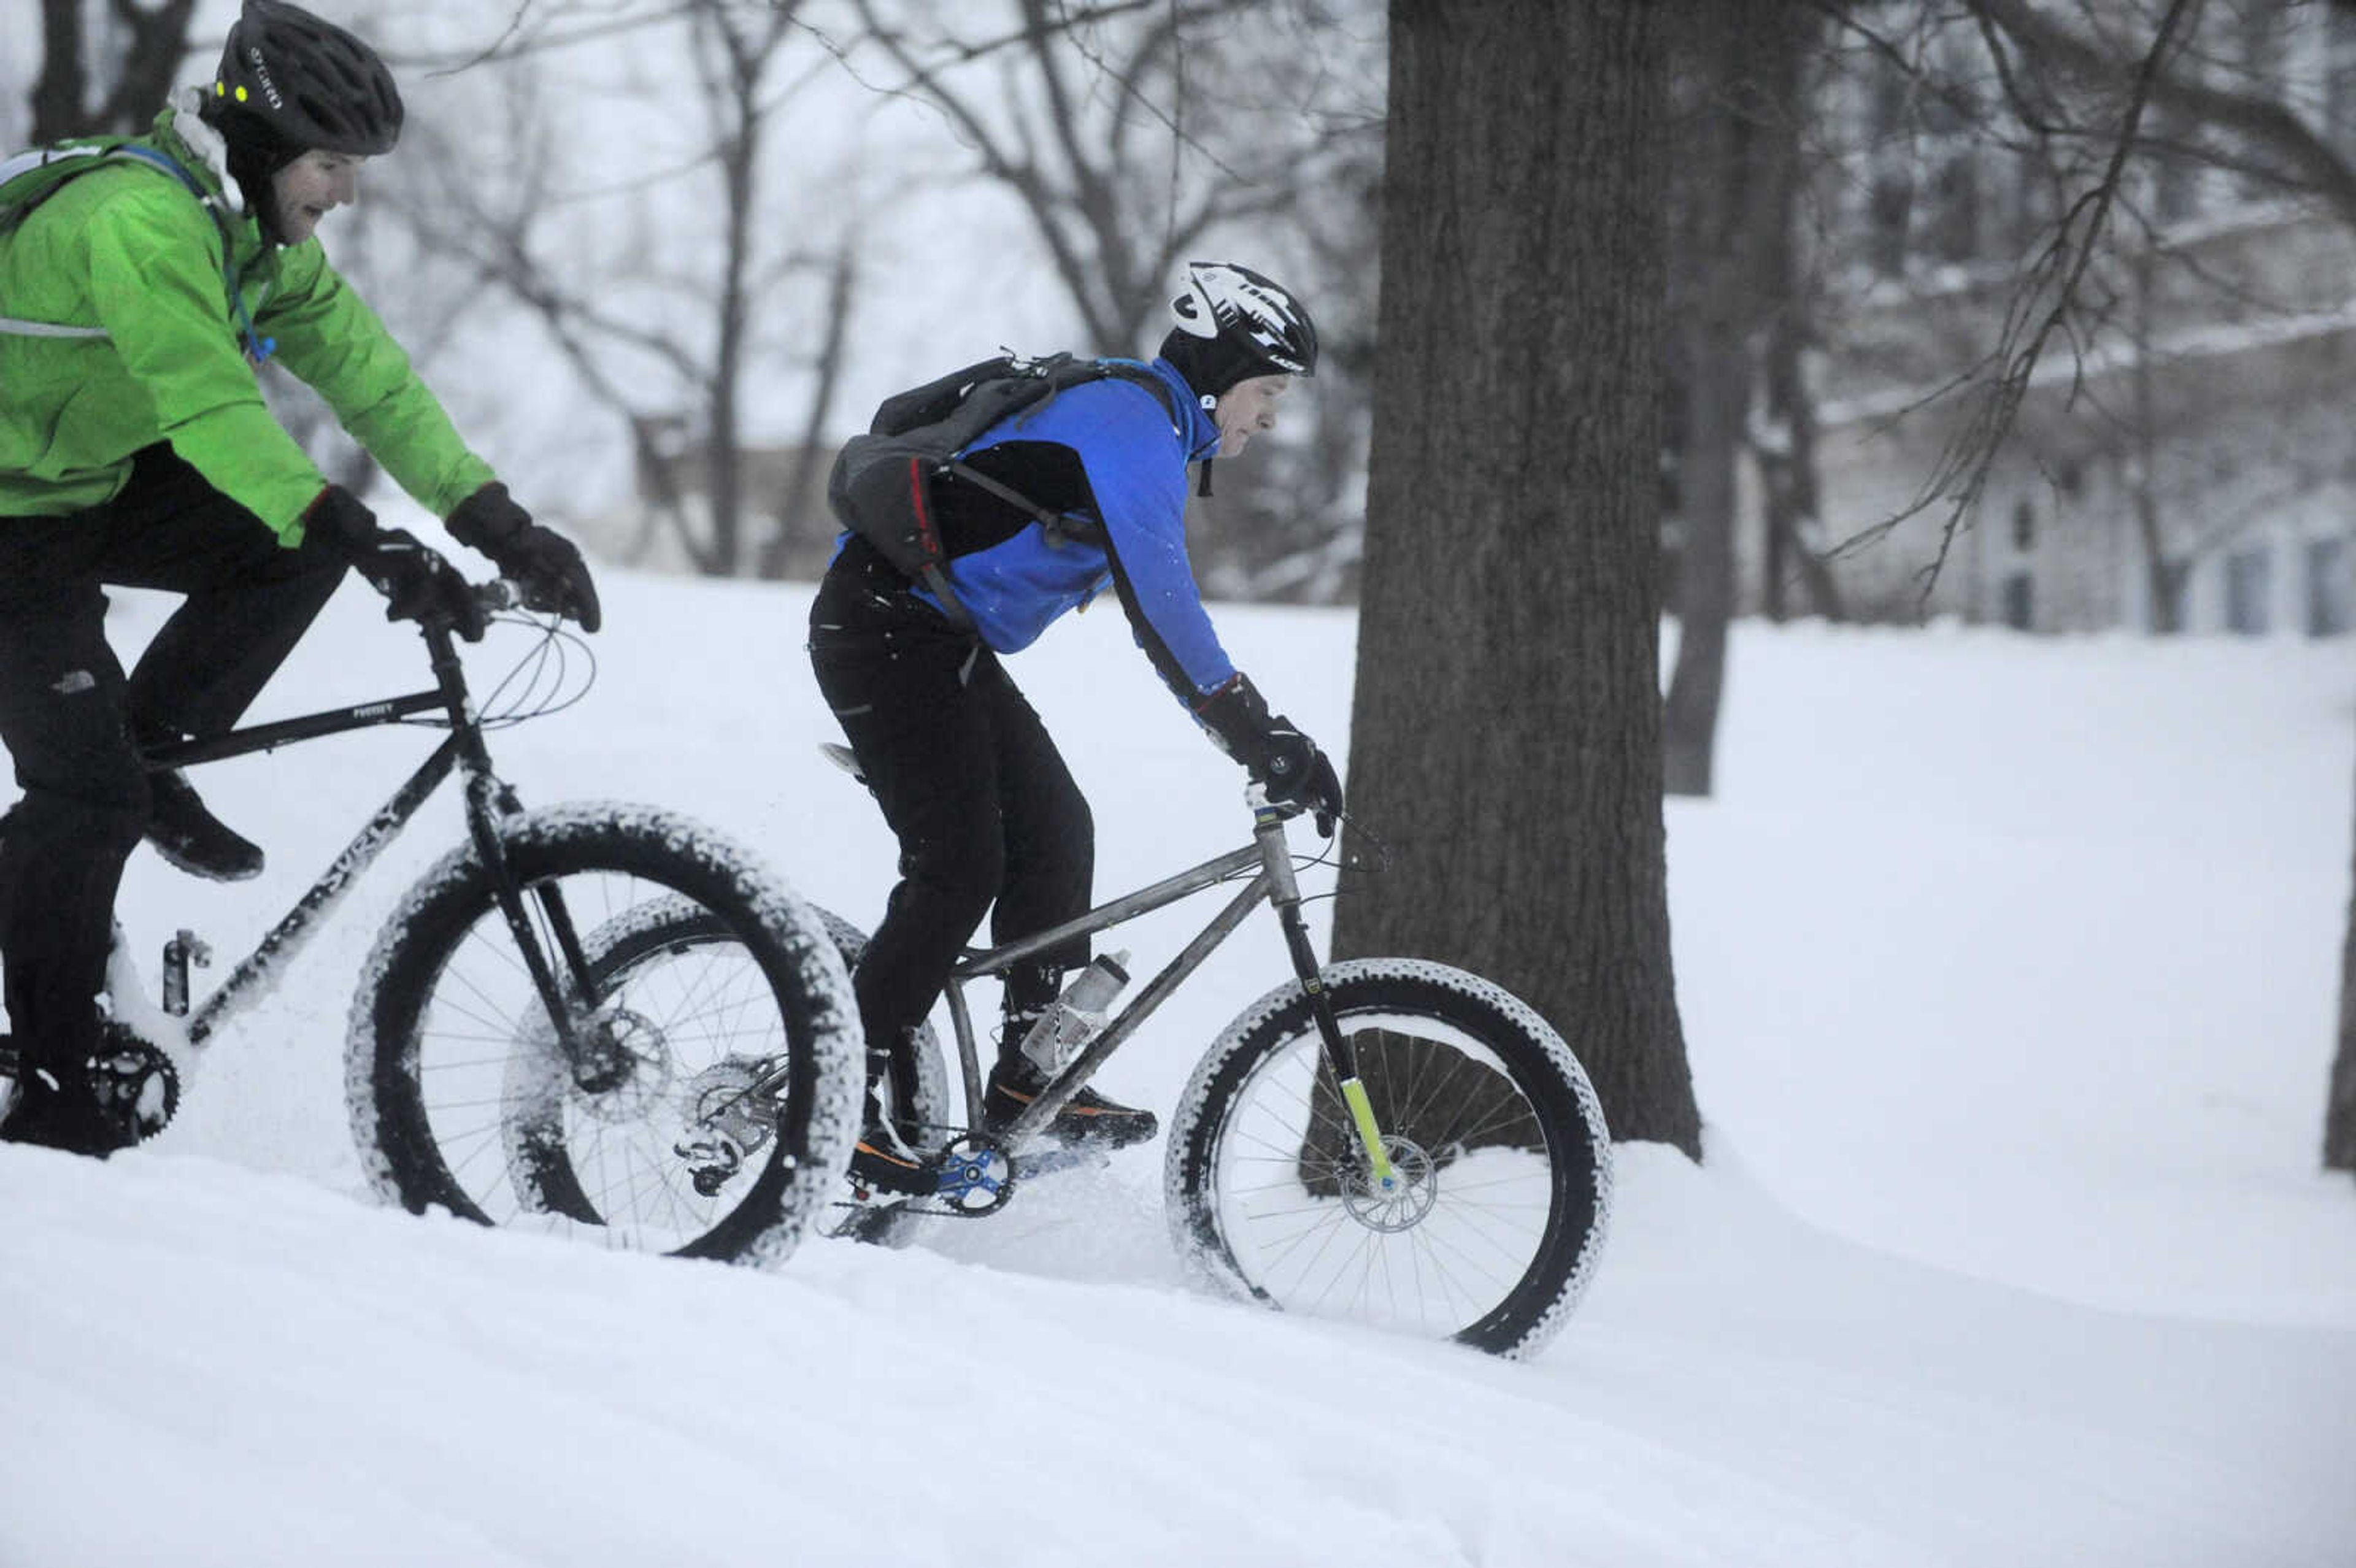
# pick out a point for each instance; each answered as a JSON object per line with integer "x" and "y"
{"x": 1078, "y": 1013}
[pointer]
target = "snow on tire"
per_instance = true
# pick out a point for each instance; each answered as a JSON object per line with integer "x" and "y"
{"x": 1501, "y": 1183}
{"x": 461, "y": 1099}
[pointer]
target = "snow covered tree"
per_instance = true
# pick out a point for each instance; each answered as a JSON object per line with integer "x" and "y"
{"x": 1506, "y": 740}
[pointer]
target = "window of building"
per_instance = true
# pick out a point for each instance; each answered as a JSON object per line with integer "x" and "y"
{"x": 2248, "y": 583}
{"x": 2024, "y": 525}
{"x": 2331, "y": 593}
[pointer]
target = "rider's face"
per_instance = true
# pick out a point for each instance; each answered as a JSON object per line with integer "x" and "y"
{"x": 310, "y": 188}
{"x": 1246, "y": 409}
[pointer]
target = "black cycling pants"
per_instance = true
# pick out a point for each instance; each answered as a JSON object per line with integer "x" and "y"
{"x": 68, "y": 715}
{"x": 987, "y": 818}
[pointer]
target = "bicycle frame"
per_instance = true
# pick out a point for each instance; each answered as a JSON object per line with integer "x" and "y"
{"x": 488, "y": 801}
{"x": 1270, "y": 858}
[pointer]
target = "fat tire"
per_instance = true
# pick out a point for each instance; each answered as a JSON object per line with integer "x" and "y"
{"x": 678, "y": 860}
{"x": 1540, "y": 1067}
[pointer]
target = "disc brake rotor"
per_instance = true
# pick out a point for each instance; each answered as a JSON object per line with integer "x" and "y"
{"x": 624, "y": 1065}
{"x": 1402, "y": 1204}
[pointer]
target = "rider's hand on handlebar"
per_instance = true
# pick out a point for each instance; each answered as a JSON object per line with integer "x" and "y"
{"x": 417, "y": 583}
{"x": 1293, "y": 769}
{"x": 1283, "y": 761}
{"x": 543, "y": 563}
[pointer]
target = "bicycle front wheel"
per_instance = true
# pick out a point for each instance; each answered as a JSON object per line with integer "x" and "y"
{"x": 703, "y": 1095}
{"x": 1500, "y": 1179}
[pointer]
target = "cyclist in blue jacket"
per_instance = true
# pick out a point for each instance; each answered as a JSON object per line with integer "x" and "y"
{"x": 987, "y": 815}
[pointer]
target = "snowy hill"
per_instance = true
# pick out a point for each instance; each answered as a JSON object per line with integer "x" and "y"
{"x": 2008, "y": 969}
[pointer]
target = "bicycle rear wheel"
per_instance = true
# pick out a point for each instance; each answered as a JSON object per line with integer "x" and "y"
{"x": 463, "y": 1098}
{"x": 678, "y": 931}
{"x": 1503, "y": 1176}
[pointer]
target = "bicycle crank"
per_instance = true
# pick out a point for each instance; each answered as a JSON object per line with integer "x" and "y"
{"x": 137, "y": 1085}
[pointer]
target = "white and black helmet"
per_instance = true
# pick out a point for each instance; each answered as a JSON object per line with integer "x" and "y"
{"x": 1232, "y": 325}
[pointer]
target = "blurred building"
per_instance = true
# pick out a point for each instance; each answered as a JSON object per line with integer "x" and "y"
{"x": 2185, "y": 456}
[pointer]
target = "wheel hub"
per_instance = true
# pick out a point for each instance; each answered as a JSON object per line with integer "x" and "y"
{"x": 1401, "y": 1202}
{"x": 622, "y": 1065}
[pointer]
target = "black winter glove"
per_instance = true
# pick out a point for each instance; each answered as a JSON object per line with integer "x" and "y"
{"x": 417, "y": 585}
{"x": 1285, "y": 761}
{"x": 1297, "y": 771}
{"x": 541, "y": 561}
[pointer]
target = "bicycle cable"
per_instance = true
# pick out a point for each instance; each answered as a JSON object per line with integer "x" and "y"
{"x": 1330, "y": 855}
{"x": 546, "y": 669}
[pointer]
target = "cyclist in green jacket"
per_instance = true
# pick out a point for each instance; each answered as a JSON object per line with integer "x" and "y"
{"x": 138, "y": 298}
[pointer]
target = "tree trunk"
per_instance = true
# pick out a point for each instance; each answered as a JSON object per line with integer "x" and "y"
{"x": 2339, "y": 1109}
{"x": 1739, "y": 143}
{"x": 1790, "y": 492}
{"x": 1505, "y": 741}
{"x": 57, "y": 94}
{"x": 1718, "y": 404}
{"x": 140, "y": 68}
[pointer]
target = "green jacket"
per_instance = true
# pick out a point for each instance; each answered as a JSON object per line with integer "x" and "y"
{"x": 128, "y": 248}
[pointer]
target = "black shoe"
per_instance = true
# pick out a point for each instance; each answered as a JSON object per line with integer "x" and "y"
{"x": 62, "y": 1113}
{"x": 1087, "y": 1117}
{"x": 192, "y": 839}
{"x": 882, "y": 1160}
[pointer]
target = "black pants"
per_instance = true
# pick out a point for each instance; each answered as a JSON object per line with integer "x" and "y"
{"x": 71, "y": 720}
{"x": 987, "y": 815}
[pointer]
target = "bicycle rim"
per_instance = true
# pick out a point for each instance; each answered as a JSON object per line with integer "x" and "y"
{"x": 464, "y": 1099}
{"x": 685, "y": 1040}
{"x": 1500, "y": 1176}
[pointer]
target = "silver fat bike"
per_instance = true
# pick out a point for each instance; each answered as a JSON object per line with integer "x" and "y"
{"x": 1385, "y": 1140}
{"x": 503, "y": 1064}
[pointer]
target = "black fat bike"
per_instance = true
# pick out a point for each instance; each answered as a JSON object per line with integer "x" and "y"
{"x": 513, "y": 1057}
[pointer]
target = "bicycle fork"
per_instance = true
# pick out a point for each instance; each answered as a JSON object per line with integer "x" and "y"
{"x": 1340, "y": 1054}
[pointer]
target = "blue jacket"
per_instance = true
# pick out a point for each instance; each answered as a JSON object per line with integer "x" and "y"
{"x": 1135, "y": 461}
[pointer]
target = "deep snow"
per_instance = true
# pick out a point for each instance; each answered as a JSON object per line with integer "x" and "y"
{"x": 2008, "y": 971}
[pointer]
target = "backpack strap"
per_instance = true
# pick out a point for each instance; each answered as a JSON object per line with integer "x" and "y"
{"x": 1057, "y": 527}
{"x": 258, "y": 348}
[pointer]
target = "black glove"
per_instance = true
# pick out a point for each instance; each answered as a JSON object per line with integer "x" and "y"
{"x": 541, "y": 561}
{"x": 417, "y": 585}
{"x": 1295, "y": 769}
{"x": 1285, "y": 761}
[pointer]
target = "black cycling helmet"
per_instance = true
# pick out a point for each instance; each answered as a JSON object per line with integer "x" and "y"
{"x": 1232, "y": 325}
{"x": 305, "y": 83}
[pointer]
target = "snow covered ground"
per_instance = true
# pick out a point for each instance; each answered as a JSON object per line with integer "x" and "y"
{"x": 2008, "y": 969}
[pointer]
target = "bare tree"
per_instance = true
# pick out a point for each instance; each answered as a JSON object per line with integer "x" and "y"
{"x": 1506, "y": 738}
{"x": 2048, "y": 66}
{"x": 120, "y": 86}
{"x": 1739, "y": 135}
{"x": 1137, "y": 135}
{"x": 658, "y": 327}
{"x": 1115, "y": 127}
